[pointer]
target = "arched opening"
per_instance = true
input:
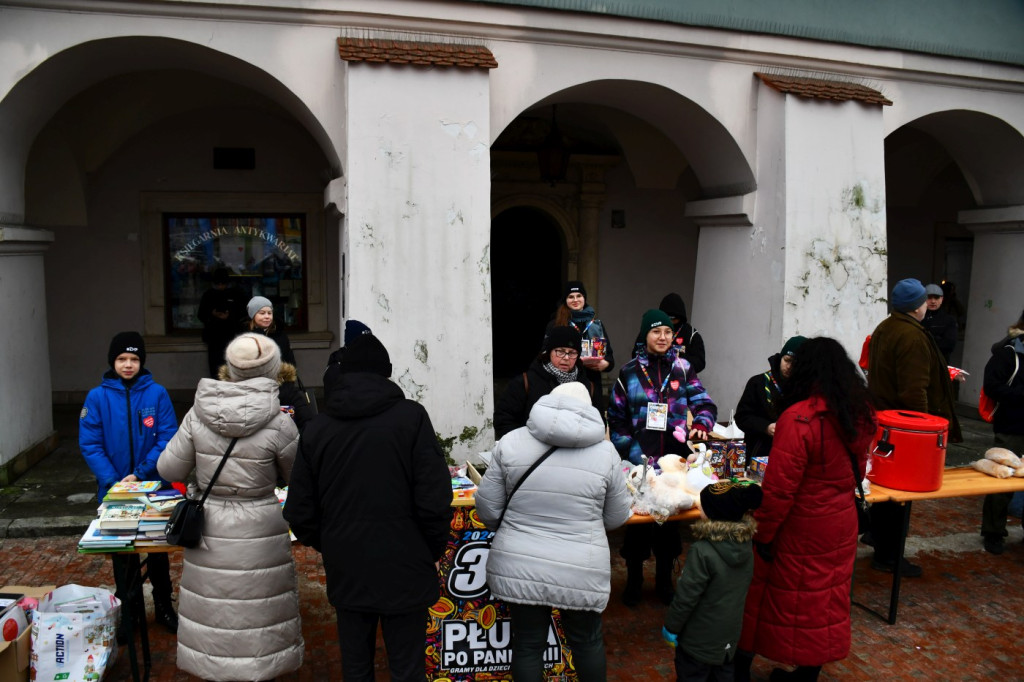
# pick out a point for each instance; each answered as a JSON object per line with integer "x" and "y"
{"x": 527, "y": 267}
{"x": 159, "y": 128}
{"x": 937, "y": 167}
{"x": 637, "y": 154}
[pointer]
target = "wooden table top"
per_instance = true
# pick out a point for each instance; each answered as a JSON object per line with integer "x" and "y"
{"x": 956, "y": 482}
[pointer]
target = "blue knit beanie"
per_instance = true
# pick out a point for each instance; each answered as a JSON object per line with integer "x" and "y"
{"x": 908, "y": 295}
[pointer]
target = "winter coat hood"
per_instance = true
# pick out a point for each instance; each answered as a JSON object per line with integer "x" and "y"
{"x": 674, "y": 306}
{"x": 236, "y": 409}
{"x": 1014, "y": 337}
{"x": 722, "y": 531}
{"x": 286, "y": 374}
{"x": 361, "y": 394}
{"x": 565, "y": 422}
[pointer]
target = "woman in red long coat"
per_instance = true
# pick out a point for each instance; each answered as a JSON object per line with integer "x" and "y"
{"x": 798, "y": 605}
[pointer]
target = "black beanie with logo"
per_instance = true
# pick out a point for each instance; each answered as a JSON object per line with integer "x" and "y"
{"x": 127, "y": 342}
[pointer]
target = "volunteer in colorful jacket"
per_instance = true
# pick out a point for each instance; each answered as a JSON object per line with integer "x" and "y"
{"x": 651, "y": 398}
{"x": 124, "y": 425}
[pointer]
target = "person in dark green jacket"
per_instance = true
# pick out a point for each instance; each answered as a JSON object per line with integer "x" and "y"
{"x": 706, "y": 615}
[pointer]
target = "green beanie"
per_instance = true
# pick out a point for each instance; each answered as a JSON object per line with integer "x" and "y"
{"x": 792, "y": 345}
{"x": 654, "y": 318}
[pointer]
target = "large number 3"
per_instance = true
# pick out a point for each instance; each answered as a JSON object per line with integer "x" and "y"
{"x": 468, "y": 577}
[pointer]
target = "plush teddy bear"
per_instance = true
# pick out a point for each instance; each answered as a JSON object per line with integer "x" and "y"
{"x": 669, "y": 491}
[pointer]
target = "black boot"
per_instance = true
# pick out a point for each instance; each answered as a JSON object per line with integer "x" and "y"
{"x": 803, "y": 673}
{"x": 663, "y": 584}
{"x": 741, "y": 666}
{"x": 163, "y": 614}
{"x": 634, "y": 583}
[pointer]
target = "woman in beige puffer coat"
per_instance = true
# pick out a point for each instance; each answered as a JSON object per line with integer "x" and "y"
{"x": 238, "y": 604}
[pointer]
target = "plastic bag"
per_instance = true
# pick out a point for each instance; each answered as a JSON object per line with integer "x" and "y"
{"x": 74, "y": 634}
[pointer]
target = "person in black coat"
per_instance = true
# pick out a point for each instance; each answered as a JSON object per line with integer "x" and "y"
{"x": 940, "y": 324}
{"x": 688, "y": 343}
{"x": 761, "y": 403}
{"x": 1004, "y": 383}
{"x": 221, "y": 310}
{"x": 370, "y": 490}
{"x": 558, "y": 363}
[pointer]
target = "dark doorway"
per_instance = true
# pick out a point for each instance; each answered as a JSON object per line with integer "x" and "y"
{"x": 526, "y": 275}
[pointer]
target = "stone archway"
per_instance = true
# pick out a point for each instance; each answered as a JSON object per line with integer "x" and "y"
{"x": 955, "y": 212}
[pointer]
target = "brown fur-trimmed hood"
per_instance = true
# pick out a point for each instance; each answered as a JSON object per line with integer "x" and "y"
{"x": 286, "y": 374}
{"x": 720, "y": 531}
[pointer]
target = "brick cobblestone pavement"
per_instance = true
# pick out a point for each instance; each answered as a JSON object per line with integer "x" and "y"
{"x": 961, "y": 621}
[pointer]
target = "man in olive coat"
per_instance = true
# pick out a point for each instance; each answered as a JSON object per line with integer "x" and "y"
{"x": 908, "y": 372}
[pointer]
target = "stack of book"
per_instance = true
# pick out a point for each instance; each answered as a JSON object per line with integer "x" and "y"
{"x": 155, "y": 515}
{"x": 133, "y": 514}
{"x": 97, "y": 540}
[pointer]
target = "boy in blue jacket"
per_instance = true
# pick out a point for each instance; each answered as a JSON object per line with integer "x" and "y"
{"x": 124, "y": 425}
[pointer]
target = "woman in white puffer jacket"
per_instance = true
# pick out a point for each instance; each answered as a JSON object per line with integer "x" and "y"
{"x": 238, "y": 601}
{"x": 552, "y": 548}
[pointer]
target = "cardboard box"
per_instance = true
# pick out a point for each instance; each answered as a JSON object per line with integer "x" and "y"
{"x": 15, "y": 656}
{"x": 758, "y": 465}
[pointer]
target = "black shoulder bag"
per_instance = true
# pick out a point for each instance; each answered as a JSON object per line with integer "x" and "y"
{"x": 185, "y": 527}
{"x": 520, "y": 482}
{"x": 863, "y": 515}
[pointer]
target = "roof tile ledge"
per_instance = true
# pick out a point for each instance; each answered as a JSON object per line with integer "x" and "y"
{"x": 823, "y": 88}
{"x": 420, "y": 53}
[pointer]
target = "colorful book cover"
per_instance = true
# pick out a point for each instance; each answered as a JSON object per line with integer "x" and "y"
{"x": 118, "y": 516}
{"x": 129, "y": 490}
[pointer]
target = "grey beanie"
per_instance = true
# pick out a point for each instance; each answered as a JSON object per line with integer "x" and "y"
{"x": 252, "y": 355}
{"x": 256, "y": 304}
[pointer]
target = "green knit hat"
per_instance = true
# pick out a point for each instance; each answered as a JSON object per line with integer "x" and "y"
{"x": 654, "y": 318}
{"x": 792, "y": 345}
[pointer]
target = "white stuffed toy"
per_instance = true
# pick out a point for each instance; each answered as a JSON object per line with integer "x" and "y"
{"x": 668, "y": 490}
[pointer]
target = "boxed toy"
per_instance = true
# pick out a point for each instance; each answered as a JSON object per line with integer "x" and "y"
{"x": 758, "y": 465}
{"x": 15, "y": 654}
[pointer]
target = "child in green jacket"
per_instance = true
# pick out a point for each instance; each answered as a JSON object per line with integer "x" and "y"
{"x": 706, "y": 615}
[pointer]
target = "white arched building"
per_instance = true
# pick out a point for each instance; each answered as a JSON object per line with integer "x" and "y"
{"x": 438, "y": 169}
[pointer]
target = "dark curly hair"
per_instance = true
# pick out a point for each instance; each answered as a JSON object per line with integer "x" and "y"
{"x": 822, "y": 367}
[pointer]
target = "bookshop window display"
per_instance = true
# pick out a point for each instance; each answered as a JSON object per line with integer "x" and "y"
{"x": 262, "y": 253}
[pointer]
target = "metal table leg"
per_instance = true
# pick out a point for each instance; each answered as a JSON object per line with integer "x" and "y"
{"x": 897, "y": 571}
{"x": 126, "y": 573}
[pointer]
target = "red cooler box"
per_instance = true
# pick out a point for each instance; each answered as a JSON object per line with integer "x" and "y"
{"x": 909, "y": 451}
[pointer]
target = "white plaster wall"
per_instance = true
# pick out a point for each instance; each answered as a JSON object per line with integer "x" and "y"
{"x": 995, "y": 301}
{"x": 835, "y": 221}
{"x": 94, "y": 274}
{"x": 27, "y": 417}
{"x": 418, "y": 237}
{"x": 740, "y": 272}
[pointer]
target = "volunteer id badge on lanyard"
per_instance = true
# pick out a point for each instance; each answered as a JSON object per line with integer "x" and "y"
{"x": 657, "y": 416}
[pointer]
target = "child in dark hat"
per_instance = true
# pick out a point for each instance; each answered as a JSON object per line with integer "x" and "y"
{"x": 125, "y": 424}
{"x": 705, "y": 618}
